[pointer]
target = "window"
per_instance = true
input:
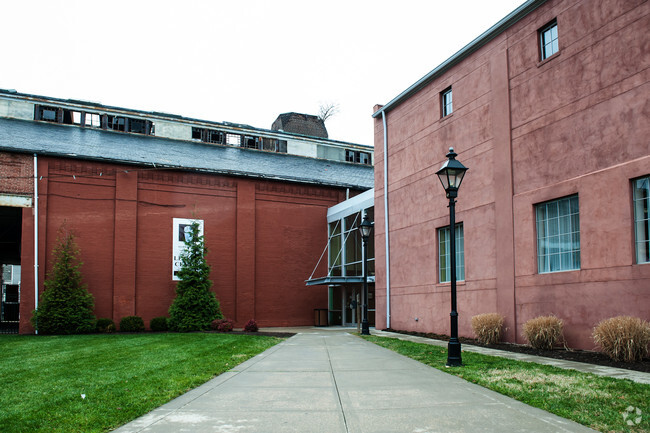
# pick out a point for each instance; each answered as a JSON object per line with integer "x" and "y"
{"x": 76, "y": 117}
{"x": 49, "y": 114}
{"x": 116, "y": 123}
{"x": 335, "y": 252}
{"x": 446, "y": 101}
{"x": 558, "y": 235}
{"x": 548, "y": 41}
{"x": 357, "y": 157}
{"x": 92, "y": 119}
{"x": 444, "y": 253}
{"x": 641, "y": 198}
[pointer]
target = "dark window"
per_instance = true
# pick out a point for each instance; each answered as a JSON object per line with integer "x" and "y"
{"x": 357, "y": 157}
{"x": 196, "y": 133}
{"x": 49, "y": 114}
{"x": 116, "y": 123}
{"x": 139, "y": 126}
{"x": 548, "y": 40}
{"x": 446, "y": 102}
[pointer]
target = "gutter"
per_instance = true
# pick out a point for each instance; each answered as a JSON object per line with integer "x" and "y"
{"x": 36, "y": 237}
{"x": 464, "y": 52}
{"x": 383, "y": 118}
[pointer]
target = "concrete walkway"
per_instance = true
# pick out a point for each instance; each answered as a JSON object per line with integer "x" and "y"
{"x": 330, "y": 381}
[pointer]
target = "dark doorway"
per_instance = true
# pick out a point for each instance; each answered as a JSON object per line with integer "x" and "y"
{"x": 10, "y": 241}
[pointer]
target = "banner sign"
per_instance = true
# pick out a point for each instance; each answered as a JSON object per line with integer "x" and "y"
{"x": 180, "y": 233}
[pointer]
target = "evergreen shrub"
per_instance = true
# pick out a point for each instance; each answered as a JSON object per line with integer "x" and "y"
{"x": 131, "y": 324}
{"x": 65, "y": 306}
{"x": 105, "y": 325}
{"x": 195, "y": 305}
{"x": 159, "y": 324}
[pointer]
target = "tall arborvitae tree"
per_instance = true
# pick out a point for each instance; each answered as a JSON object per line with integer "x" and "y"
{"x": 195, "y": 305}
{"x": 65, "y": 307}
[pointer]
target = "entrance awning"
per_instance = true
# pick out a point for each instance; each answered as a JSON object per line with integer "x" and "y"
{"x": 337, "y": 280}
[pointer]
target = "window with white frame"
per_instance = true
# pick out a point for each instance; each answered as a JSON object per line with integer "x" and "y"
{"x": 444, "y": 254}
{"x": 641, "y": 198}
{"x": 446, "y": 102}
{"x": 558, "y": 235}
{"x": 548, "y": 40}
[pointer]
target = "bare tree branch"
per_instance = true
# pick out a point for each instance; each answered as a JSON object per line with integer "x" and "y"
{"x": 327, "y": 110}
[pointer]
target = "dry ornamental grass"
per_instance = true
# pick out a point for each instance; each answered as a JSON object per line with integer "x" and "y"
{"x": 544, "y": 332}
{"x": 487, "y": 327}
{"x": 623, "y": 338}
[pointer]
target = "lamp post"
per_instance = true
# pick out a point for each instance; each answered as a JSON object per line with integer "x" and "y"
{"x": 365, "y": 228}
{"x": 451, "y": 175}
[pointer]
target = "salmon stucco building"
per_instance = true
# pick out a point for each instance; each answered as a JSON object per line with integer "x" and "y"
{"x": 550, "y": 110}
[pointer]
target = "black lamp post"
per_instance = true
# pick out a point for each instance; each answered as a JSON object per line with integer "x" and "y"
{"x": 451, "y": 175}
{"x": 365, "y": 228}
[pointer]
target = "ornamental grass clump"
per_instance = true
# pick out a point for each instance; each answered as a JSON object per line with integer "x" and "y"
{"x": 623, "y": 338}
{"x": 488, "y": 327}
{"x": 544, "y": 332}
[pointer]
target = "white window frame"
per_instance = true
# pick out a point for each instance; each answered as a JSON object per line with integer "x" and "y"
{"x": 446, "y": 100}
{"x": 548, "y": 40}
{"x": 558, "y": 235}
{"x": 641, "y": 203}
{"x": 444, "y": 253}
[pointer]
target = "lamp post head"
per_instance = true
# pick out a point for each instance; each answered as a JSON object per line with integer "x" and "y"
{"x": 365, "y": 228}
{"x": 451, "y": 174}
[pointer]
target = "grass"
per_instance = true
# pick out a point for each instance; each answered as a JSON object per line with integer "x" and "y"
{"x": 121, "y": 376}
{"x": 594, "y": 401}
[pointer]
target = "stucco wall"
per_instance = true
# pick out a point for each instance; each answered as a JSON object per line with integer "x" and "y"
{"x": 260, "y": 235}
{"x": 529, "y": 131}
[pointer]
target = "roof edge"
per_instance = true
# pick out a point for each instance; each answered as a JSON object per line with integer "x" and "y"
{"x": 464, "y": 52}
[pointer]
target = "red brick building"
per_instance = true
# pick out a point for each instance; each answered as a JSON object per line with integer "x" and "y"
{"x": 118, "y": 178}
{"x": 550, "y": 111}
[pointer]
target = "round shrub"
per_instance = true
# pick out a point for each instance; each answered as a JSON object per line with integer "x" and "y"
{"x": 223, "y": 325}
{"x": 623, "y": 338}
{"x": 544, "y": 332}
{"x": 158, "y": 324}
{"x": 251, "y": 326}
{"x": 131, "y": 324}
{"x": 487, "y": 327}
{"x": 105, "y": 325}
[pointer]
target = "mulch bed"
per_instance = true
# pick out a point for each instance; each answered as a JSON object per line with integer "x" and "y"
{"x": 586, "y": 356}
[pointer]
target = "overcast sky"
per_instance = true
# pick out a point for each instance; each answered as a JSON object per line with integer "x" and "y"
{"x": 241, "y": 61}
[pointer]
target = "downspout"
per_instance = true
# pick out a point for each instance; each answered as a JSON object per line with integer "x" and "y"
{"x": 36, "y": 237}
{"x": 383, "y": 119}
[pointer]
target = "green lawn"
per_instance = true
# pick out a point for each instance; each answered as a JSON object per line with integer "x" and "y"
{"x": 121, "y": 376}
{"x": 595, "y": 401}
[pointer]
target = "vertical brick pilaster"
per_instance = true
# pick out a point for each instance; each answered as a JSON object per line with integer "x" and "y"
{"x": 126, "y": 206}
{"x": 245, "y": 252}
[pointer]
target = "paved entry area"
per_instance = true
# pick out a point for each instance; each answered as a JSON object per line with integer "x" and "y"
{"x": 336, "y": 382}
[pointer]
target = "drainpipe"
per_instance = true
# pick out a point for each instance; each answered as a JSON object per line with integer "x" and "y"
{"x": 383, "y": 119}
{"x": 36, "y": 236}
